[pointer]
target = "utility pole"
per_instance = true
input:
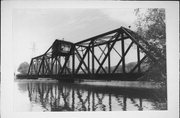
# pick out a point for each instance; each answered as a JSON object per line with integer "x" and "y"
{"x": 33, "y": 49}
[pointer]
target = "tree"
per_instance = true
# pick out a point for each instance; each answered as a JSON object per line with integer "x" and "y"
{"x": 23, "y": 68}
{"x": 151, "y": 26}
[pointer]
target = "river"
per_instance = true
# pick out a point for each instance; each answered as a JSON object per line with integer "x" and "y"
{"x": 51, "y": 95}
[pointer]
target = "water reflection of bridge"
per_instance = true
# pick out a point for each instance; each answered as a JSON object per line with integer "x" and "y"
{"x": 62, "y": 97}
{"x": 100, "y": 57}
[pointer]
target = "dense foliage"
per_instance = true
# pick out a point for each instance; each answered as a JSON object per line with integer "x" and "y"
{"x": 151, "y": 26}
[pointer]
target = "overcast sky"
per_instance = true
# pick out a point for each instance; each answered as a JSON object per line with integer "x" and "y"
{"x": 43, "y": 26}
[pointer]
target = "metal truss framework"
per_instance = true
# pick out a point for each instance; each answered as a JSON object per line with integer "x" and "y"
{"x": 94, "y": 56}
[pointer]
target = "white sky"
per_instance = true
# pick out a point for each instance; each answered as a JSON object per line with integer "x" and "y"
{"x": 43, "y": 26}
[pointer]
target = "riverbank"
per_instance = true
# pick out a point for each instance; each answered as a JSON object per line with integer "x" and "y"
{"x": 119, "y": 84}
{"x": 125, "y": 84}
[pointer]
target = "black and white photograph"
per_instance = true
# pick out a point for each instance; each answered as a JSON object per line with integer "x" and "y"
{"x": 90, "y": 59}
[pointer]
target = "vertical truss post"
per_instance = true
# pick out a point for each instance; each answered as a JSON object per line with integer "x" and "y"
{"x": 43, "y": 66}
{"x": 138, "y": 59}
{"x": 67, "y": 64}
{"x": 59, "y": 61}
{"x": 88, "y": 62}
{"x": 52, "y": 64}
{"x": 109, "y": 59}
{"x": 55, "y": 65}
{"x": 92, "y": 57}
{"x": 59, "y": 64}
{"x": 73, "y": 62}
{"x": 123, "y": 57}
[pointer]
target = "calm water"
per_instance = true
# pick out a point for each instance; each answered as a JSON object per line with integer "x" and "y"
{"x": 54, "y": 96}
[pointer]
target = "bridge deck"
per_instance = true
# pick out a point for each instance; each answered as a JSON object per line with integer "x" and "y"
{"x": 71, "y": 77}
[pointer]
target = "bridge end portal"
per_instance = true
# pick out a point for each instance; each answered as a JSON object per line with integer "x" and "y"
{"x": 62, "y": 48}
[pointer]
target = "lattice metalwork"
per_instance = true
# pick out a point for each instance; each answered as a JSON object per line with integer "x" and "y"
{"x": 103, "y": 56}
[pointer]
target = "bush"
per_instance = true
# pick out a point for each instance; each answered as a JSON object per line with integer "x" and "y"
{"x": 23, "y": 68}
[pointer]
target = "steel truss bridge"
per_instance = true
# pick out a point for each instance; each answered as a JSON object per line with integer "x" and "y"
{"x": 99, "y": 57}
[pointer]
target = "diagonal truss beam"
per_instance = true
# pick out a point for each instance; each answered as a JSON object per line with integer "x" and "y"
{"x": 65, "y": 63}
{"x": 97, "y": 60}
{"x": 60, "y": 66}
{"x": 82, "y": 59}
{"x": 123, "y": 57}
{"x": 142, "y": 48}
{"x": 138, "y": 64}
{"x": 103, "y": 52}
{"x": 79, "y": 58}
{"x": 110, "y": 48}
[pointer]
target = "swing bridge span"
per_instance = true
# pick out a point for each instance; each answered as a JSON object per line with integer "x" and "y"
{"x": 102, "y": 57}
